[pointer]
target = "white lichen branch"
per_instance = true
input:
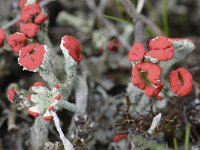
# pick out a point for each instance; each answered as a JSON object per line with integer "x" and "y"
{"x": 132, "y": 146}
{"x": 67, "y": 144}
{"x": 155, "y": 123}
{"x": 81, "y": 93}
{"x": 140, "y": 6}
{"x": 69, "y": 106}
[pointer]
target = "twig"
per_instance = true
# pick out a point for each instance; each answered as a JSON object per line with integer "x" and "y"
{"x": 102, "y": 5}
{"x": 155, "y": 123}
{"x": 132, "y": 12}
{"x": 165, "y": 17}
{"x": 108, "y": 24}
{"x": 140, "y": 6}
{"x": 67, "y": 144}
{"x": 139, "y": 33}
{"x": 16, "y": 19}
{"x": 11, "y": 23}
{"x": 132, "y": 146}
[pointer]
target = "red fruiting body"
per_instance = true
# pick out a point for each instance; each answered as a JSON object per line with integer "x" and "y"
{"x": 113, "y": 45}
{"x": 11, "y": 94}
{"x": 38, "y": 84}
{"x": 73, "y": 47}
{"x": 161, "y": 48}
{"x": 34, "y": 114}
{"x": 23, "y": 2}
{"x": 160, "y": 43}
{"x": 41, "y": 18}
{"x": 136, "y": 78}
{"x": 51, "y": 108}
{"x": 56, "y": 86}
{"x": 29, "y": 29}
{"x": 136, "y": 52}
{"x": 153, "y": 91}
{"x": 29, "y": 97}
{"x": 29, "y": 11}
{"x": 48, "y": 118}
{"x": 153, "y": 71}
{"x": 2, "y": 37}
{"x": 159, "y": 97}
{"x": 146, "y": 76}
{"x": 32, "y": 56}
{"x": 119, "y": 137}
{"x": 18, "y": 23}
{"x": 58, "y": 97}
{"x": 181, "y": 82}
{"x": 16, "y": 41}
